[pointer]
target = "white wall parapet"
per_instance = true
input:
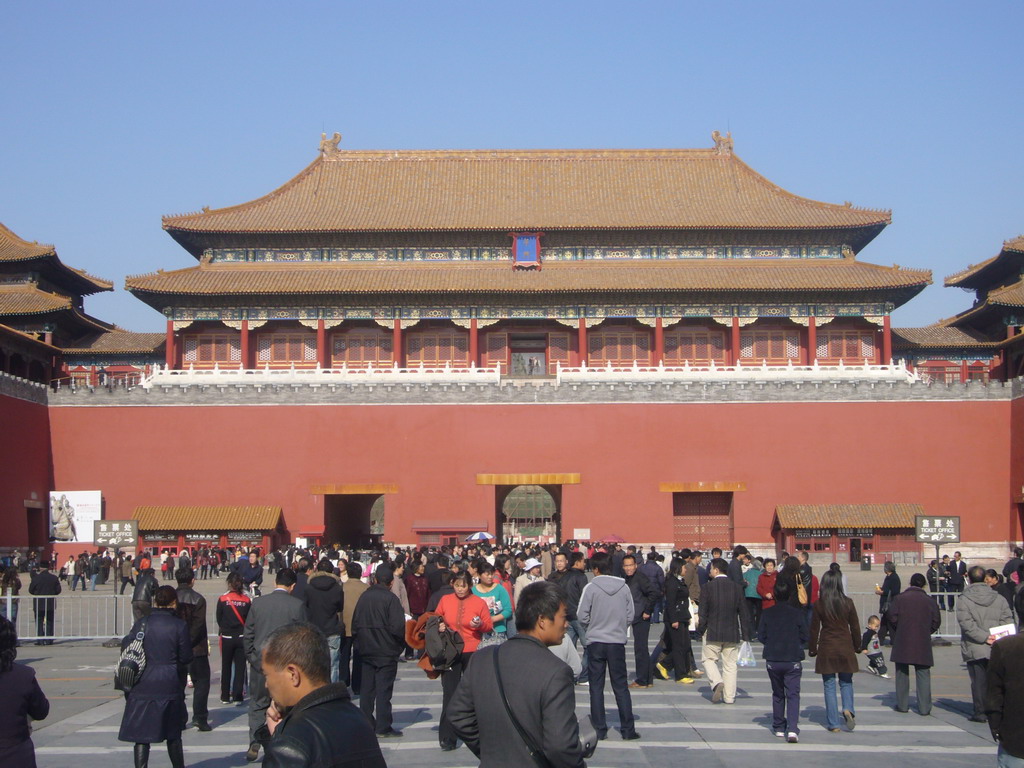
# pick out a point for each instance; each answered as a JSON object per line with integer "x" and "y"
{"x": 713, "y": 372}
{"x": 266, "y": 376}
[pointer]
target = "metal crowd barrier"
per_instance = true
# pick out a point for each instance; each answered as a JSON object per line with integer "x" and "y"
{"x": 75, "y": 616}
{"x": 867, "y": 605}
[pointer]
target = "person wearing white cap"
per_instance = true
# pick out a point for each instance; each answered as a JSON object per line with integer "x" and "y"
{"x": 530, "y": 574}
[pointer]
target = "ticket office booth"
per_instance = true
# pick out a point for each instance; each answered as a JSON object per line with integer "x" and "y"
{"x": 843, "y": 544}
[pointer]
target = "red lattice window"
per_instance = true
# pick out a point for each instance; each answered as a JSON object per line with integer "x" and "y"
{"x": 210, "y": 348}
{"x": 362, "y": 348}
{"x": 286, "y": 348}
{"x": 696, "y": 345}
{"x": 619, "y": 347}
{"x": 558, "y": 351}
{"x": 438, "y": 348}
{"x": 777, "y": 346}
{"x": 846, "y": 345}
{"x": 496, "y": 351}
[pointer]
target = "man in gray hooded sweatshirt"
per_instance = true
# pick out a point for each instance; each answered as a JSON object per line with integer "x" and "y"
{"x": 606, "y": 610}
{"x": 979, "y": 609}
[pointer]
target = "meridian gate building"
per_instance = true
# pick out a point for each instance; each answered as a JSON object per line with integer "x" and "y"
{"x": 662, "y": 345}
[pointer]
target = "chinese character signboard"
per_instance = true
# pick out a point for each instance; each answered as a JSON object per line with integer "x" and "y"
{"x": 813, "y": 533}
{"x": 115, "y": 533}
{"x": 72, "y": 514}
{"x": 937, "y": 530}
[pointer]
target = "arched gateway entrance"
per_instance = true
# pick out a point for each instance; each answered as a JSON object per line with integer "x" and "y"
{"x": 529, "y": 512}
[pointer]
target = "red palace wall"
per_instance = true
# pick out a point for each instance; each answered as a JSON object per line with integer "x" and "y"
{"x": 950, "y": 457}
{"x": 1016, "y": 513}
{"x": 25, "y": 473}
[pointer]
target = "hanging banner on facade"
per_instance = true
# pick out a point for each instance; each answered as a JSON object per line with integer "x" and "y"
{"x": 115, "y": 533}
{"x": 937, "y": 530}
{"x": 73, "y": 513}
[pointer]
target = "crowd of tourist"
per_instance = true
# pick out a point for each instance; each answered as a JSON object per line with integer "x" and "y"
{"x": 444, "y": 608}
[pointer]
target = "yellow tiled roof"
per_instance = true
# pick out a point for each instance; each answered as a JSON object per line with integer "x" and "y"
{"x": 29, "y": 299}
{"x": 847, "y": 515}
{"x": 555, "y": 277}
{"x": 116, "y": 341}
{"x": 211, "y": 518}
{"x": 14, "y": 248}
{"x": 359, "y": 191}
{"x": 1016, "y": 245}
{"x": 939, "y": 336}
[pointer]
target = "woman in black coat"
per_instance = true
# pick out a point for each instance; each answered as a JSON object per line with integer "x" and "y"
{"x": 155, "y": 708}
{"x": 22, "y": 698}
{"x": 677, "y": 621}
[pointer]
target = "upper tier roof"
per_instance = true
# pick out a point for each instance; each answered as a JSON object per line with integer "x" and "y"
{"x": 115, "y": 342}
{"x": 15, "y": 249}
{"x": 1007, "y": 262}
{"x": 505, "y": 190}
{"x": 669, "y": 275}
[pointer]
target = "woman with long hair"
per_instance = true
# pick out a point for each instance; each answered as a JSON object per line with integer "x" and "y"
{"x": 834, "y": 644}
{"x": 154, "y": 709}
{"x": 232, "y": 610}
{"x": 467, "y": 615}
{"x": 22, "y": 699}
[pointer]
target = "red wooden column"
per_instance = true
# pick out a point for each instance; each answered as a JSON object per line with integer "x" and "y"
{"x": 474, "y": 344}
{"x": 735, "y": 342}
{"x": 963, "y": 372}
{"x": 583, "y": 342}
{"x": 396, "y": 344}
{"x": 886, "y": 341}
{"x": 170, "y": 352}
{"x": 812, "y": 340}
{"x": 659, "y": 341}
{"x": 322, "y": 353}
{"x": 246, "y": 344}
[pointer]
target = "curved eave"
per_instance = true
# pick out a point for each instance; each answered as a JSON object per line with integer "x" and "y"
{"x": 1008, "y": 261}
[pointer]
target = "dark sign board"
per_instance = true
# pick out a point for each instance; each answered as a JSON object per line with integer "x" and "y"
{"x": 937, "y": 530}
{"x": 115, "y": 533}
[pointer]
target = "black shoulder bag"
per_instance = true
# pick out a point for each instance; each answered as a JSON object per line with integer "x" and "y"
{"x": 536, "y": 754}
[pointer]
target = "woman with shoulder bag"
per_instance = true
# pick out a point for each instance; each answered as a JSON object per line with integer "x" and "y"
{"x": 155, "y": 707}
{"x": 467, "y": 615}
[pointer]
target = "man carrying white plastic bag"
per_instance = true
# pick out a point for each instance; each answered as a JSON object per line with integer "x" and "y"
{"x": 724, "y": 622}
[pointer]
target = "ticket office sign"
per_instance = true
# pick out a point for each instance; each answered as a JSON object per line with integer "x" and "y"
{"x": 937, "y": 530}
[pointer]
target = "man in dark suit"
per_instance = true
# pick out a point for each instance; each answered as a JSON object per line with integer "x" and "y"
{"x": 724, "y": 622}
{"x": 44, "y": 583}
{"x": 267, "y": 613}
{"x": 956, "y": 577}
{"x": 1004, "y": 698}
{"x": 914, "y": 616}
{"x": 543, "y": 701}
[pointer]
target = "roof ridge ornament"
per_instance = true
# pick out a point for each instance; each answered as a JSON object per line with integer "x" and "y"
{"x": 329, "y": 147}
{"x": 723, "y": 144}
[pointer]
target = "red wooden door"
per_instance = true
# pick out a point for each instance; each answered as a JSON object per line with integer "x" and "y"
{"x": 702, "y": 520}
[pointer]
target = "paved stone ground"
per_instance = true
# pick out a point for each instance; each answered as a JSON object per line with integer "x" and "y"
{"x": 674, "y": 720}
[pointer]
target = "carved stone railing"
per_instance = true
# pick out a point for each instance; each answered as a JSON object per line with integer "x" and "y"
{"x": 268, "y": 377}
{"x": 713, "y": 372}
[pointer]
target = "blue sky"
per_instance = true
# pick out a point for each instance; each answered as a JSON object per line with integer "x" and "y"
{"x": 117, "y": 113}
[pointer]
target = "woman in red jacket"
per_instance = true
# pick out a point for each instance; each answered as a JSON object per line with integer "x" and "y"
{"x": 766, "y": 584}
{"x": 468, "y": 615}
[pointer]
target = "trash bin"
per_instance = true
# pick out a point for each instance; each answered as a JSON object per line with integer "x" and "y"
{"x": 865, "y": 563}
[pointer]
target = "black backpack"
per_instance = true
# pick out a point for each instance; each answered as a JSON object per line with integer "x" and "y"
{"x": 132, "y": 663}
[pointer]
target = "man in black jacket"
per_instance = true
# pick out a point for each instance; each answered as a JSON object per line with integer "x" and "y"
{"x": 1004, "y": 697}
{"x": 199, "y": 668}
{"x": 542, "y": 701}
{"x": 44, "y": 583}
{"x": 325, "y": 602}
{"x": 723, "y": 617}
{"x": 317, "y": 726}
{"x": 378, "y": 626}
{"x": 142, "y": 595}
{"x": 569, "y": 575}
{"x": 645, "y": 596}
